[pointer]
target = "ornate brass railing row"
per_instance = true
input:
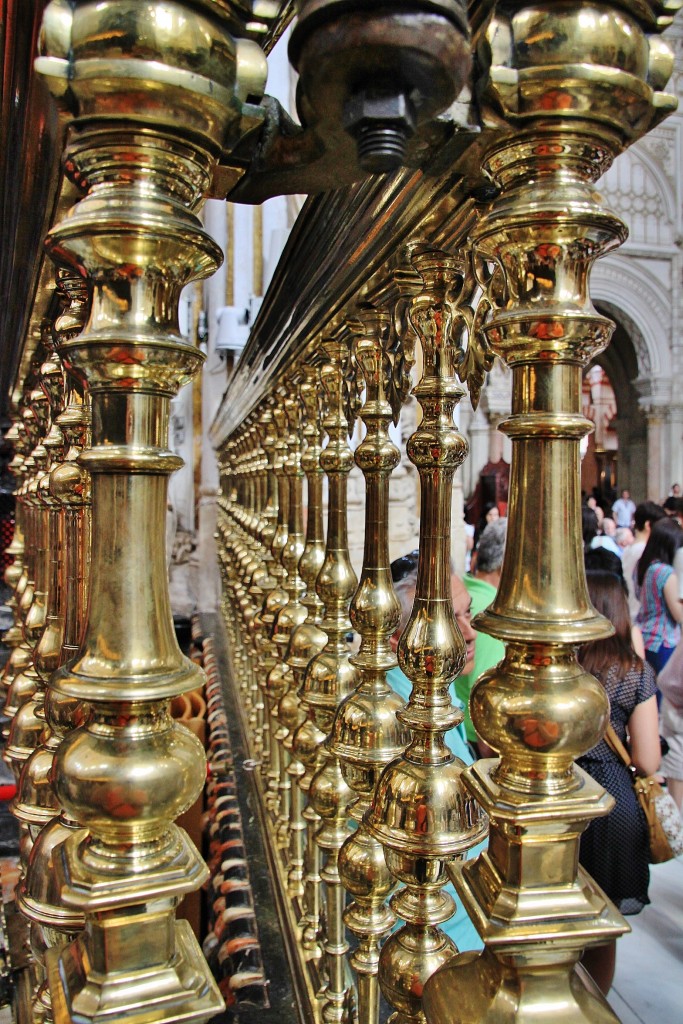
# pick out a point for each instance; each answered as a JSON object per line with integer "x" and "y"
{"x": 162, "y": 98}
{"x": 509, "y": 277}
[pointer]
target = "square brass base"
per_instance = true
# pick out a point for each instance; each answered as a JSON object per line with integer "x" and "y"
{"x": 181, "y": 991}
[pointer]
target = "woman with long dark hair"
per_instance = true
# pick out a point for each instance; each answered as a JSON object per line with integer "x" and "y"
{"x": 661, "y": 610}
{"x": 615, "y": 849}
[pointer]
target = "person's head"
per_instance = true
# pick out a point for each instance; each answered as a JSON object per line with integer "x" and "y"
{"x": 609, "y": 527}
{"x": 608, "y": 597}
{"x": 676, "y": 510}
{"x": 647, "y": 513}
{"x": 624, "y": 536}
{"x": 592, "y": 502}
{"x": 666, "y": 536}
{"x": 600, "y": 513}
{"x": 604, "y": 560}
{"x": 626, "y": 494}
{"x": 589, "y": 525}
{"x": 405, "y": 589}
{"x": 676, "y": 490}
{"x": 492, "y": 514}
{"x": 492, "y": 548}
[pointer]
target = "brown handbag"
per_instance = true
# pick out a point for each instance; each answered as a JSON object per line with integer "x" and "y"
{"x": 651, "y": 797}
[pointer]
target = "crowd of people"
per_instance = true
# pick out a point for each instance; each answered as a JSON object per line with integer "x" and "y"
{"x": 634, "y": 571}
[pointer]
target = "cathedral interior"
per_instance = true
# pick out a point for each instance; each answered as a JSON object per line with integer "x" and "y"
{"x": 441, "y": 165}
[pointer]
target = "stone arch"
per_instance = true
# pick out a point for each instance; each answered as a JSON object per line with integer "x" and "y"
{"x": 637, "y": 300}
{"x": 637, "y": 188}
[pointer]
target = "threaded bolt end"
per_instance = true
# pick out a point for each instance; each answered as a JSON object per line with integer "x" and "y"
{"x": 381, "y": 146}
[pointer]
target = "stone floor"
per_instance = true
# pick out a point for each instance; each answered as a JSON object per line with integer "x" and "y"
{"x": 648, "y": 987}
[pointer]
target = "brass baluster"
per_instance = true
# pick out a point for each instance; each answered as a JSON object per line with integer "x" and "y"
{"x": 290, "y": 618}
{"x": 25, "y": 697}
{"x": 16, "y": 573}
{"x": 307, "y": 641}
{"x": 366, "y": 734}
{"x": 35, "y": 804}
{"x": 127, "y": 774}
{"x": 331, "y": 676}
{"x": 306, "y": 743}
{"x": 538, "y": 708}
{"x": 38, "y": 894}
{"x": 265, "y": 662}
{"x": 420, "y": 811}
{"x": 276, "y": 601}
{"x": 32, "y": 603}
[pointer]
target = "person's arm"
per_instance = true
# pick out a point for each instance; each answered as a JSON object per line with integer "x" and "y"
{"x": 678, "y": 569}
{"x": 637, "y": 642}
{"x": 643, "y": 728}
{"x": 673, "y": 602}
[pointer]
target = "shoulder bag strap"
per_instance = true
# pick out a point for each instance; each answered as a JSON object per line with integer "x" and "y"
{"x": 615, "y": 744}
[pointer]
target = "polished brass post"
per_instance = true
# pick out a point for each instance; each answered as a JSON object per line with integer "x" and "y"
{"x": 32, "y": 605}
{"x": 35, "y": 803}
{"x": 39, "y": 895}
{"x": 265, "y": 662}
{"x": 584, "y": 87}
{"x": 15, "y": 573}
{"x": 67, "y": 501}
{"x": 153, "y": 107}
{"x": 307, "y": 740}
{"x": 275, "y": 602}
{"x": 331, "y": 676}
{"x": 366, "y": 734}
{"x": 26, "y": 694}
{"x": 292, "y": 616}
{"x": 307, "y": 641}
{"x": 420, "y": 811}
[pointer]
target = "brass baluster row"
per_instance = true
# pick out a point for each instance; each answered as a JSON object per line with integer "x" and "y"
{"x": 360, "y": 792}
{"x": 336, "y": 727}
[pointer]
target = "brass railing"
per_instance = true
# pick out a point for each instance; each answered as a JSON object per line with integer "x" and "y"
{"x": 480, "y": 247}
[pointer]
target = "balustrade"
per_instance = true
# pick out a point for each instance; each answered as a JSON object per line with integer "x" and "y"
{"x": 402, "y": 284}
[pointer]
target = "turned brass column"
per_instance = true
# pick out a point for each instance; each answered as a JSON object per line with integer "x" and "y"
{"x": 16, "y": 574}
{"x": 153, "y": 108}
{"x": 292, "y": 616}
{"x": 330, "y": 676}
{"x": 38, "y": 895}
{"x": 274, "y": 604}
{"x": 307, "y": 641}
{"x": 581, "y": 91}
{"x": 367, "y": 734}
{"x": 421, "y": 812}
{"x": 307, "y": 740}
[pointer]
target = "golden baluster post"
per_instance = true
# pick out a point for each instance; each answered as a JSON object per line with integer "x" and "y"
{"x": 293, "y": 615}
{"x": 307, "y": 641}
{"x": 16, "y": 573}
{"x": 586, "y": 86}
{"x": 367, "y": 734}
{"x": 266, "y": 585}
{"x": 331, "y": 676}
{"x": 146, "y": 136}
{"x": 308, "y": 738}
{"x": 276, "y": 601}
{"x": 421, "y": 812}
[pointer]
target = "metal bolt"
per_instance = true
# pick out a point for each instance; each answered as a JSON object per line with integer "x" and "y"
{"x": 381, "y": 123}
